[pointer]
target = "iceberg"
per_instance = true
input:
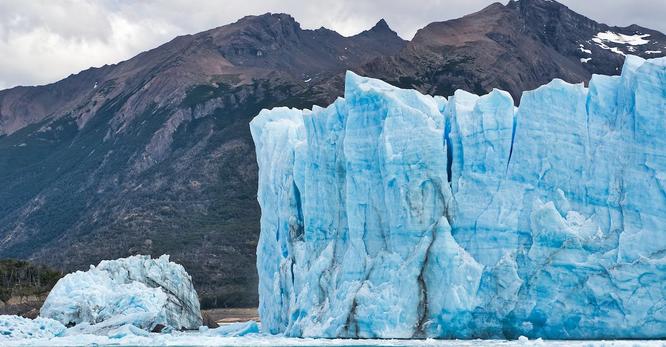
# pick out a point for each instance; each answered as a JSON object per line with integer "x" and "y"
{"x": 146, "y": 293}
{"x": 392, "y": 214}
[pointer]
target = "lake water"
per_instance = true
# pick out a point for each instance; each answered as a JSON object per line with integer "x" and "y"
{"x": 196, "y": 339}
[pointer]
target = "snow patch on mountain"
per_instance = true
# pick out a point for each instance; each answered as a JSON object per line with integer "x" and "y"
{"x": 633, "y": 40}
{"x": 582, "y": 49}
{"x": 604, "y": 39}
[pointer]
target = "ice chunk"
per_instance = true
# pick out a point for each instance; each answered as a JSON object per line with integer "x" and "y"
{"x": 232, "y": 330}
{"x": 392, "y": 214}
{"x": 127, "y": 330}
{"x": 19, "y": 328}
{"x": 138, "y": 290}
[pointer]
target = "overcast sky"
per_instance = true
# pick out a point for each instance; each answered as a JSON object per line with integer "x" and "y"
{"x": 42, "y": 41}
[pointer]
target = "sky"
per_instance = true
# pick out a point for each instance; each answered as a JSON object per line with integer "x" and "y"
{"x": 43, "y": 41}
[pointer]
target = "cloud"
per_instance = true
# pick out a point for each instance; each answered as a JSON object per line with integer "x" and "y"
{"x": 42, "y": 41}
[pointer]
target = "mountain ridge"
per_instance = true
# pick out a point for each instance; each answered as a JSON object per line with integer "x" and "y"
{"x": 509, "y": 38}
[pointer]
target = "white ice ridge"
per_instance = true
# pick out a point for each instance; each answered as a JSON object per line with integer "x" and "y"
{"x": 394, "y": 214}
{"x": 138, "y": 290}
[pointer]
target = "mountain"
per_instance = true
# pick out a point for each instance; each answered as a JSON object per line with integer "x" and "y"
{"x": 153, "y": 155}
{"x": 514, "y": 47}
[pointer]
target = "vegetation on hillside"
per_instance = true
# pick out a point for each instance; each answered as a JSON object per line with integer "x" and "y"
{"x": 21, "y": 278}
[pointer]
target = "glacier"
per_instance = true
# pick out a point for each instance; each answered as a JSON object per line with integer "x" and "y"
{"x": 138, "y": 291}
{"x": 393, "y": 214}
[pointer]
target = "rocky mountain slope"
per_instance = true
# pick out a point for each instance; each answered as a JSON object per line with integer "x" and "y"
{"x": 153, "y": 155}
{"x": 514, "y": 47}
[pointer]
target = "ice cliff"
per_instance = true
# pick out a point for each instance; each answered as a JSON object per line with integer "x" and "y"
{"x": 139, "y": 291}
{"x": 395, "y": 214}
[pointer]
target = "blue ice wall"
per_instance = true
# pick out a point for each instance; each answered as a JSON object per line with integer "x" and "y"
{"x": 391, "y": 214}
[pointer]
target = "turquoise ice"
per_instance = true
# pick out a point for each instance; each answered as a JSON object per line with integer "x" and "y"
{"x": 20, "y": 328}
{"x": 393, "y": 214}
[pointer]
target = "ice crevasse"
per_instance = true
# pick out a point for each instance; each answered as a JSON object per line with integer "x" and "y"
{"x": 392, "y": 214}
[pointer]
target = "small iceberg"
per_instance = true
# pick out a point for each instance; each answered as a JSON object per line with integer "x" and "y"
{"x": 149, "y": 294}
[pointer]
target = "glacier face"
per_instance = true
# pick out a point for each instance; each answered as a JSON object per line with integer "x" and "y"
{"x": 137, "y": 291}
{"x": 391, "y": 214}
